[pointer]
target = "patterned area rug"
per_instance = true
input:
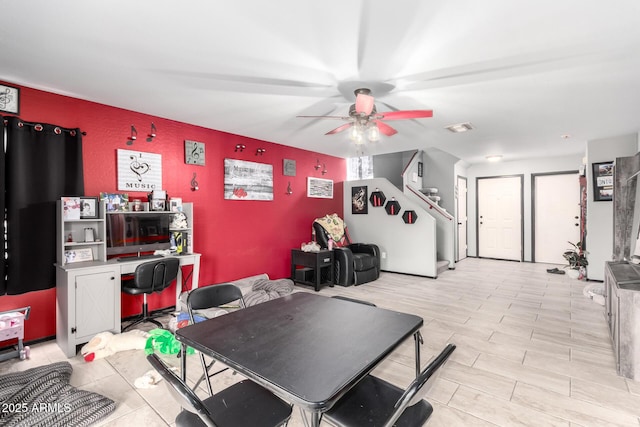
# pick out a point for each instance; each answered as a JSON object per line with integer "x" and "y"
{"x": 42, "y": 396}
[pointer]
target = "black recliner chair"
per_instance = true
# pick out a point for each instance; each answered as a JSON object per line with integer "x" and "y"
{"x": 354, "y": 263}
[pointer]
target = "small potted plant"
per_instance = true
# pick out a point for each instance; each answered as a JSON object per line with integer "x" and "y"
{"x": 577, "y": 260}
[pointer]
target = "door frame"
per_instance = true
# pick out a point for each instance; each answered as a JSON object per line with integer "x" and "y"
{"x": 466, "y": 214}
{"x": 521, "y": 176}
{"x": 533, "y": 205}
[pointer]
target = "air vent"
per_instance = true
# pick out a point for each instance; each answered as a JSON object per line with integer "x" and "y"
{"x": 460, "y": 127}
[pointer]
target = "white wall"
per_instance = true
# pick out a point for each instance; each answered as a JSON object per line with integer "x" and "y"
{"x": 526, "y": 167}
{"x": 408, "y": 248}
{"x": 599, "y": 239}
{"x": 438, "y": 167}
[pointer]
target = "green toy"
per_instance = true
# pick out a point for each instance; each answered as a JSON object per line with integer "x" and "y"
{"x": 164, "y": 342}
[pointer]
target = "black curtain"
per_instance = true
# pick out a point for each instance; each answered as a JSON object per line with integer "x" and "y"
{"x": 42, "y": 163}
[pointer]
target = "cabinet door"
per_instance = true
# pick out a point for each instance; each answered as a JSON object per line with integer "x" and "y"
{"x": 95, "y": 296}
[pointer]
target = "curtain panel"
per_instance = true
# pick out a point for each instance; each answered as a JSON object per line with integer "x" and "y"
{"x": 42, "y": 163}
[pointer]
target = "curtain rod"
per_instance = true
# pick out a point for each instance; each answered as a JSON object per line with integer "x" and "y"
{"x": 38, "y": 127}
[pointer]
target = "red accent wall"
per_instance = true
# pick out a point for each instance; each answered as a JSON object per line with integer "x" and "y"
{"x": 236, "y": 238}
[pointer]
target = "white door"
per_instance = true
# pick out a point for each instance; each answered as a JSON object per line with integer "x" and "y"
{"x": 500, "y": 218}
{"x": 556, "y": 215}
{"x": 462, "y": 218}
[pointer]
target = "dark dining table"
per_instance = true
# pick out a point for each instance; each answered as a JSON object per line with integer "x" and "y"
{"x": 308, "y": 349}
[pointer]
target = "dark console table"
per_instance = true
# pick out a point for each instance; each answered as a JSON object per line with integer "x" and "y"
{"x": 317, "y": 268}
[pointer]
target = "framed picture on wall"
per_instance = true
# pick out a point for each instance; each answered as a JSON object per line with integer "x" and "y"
{"x": 602, "y": 181}
{"x": 359, "y": 201}
{"x": 319, "y": 188}
{"x": 9, "y": 99}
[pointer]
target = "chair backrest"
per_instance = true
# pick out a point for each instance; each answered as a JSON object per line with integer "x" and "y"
{"x": 154, "y": 276}
{"x": 416, "y": 391}
{"x": 213, "y": 296}
{"x": 321, "y": 234}
{"x": 181, "y": 392}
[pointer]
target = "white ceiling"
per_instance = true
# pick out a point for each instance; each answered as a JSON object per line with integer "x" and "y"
{"x": 524, "y": 73}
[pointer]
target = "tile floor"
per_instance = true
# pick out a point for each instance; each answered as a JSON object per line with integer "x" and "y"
{"x": 532, "y": 350}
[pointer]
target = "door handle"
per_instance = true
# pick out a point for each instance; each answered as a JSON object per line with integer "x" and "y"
{"x": 577, "y": 224}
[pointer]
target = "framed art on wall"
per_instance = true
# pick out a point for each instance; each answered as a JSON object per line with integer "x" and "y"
{"x": 319, "y": 188}
{"x": 602, "y": 181}
{"x": 359, "y": 201}
{"x": 9, "y": 99}
{"x": 247, "y": 180}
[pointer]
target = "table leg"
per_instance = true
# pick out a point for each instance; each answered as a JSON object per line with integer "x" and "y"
{"x": 178, "y": 287}
{"x": 419, "y": 341}
{"x": 183, "y": 363}
{"x": 315, "y": 418}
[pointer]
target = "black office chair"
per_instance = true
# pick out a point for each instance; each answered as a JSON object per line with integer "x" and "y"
{"x": 149, "y": 277}
{"x": 376, "y": 403}
{"x": 242, "y": 404}
{"x": 210, "y": 297}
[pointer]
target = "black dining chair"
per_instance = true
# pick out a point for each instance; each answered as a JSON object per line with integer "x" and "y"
{"x": 150, "y": 277}
{"x": 204, "y": 298}
{"x": 374, "y": 402}
{"x": 243, "y": 404}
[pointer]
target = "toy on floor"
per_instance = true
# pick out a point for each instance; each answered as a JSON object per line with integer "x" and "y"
{"x": 11, "y": 327}
{"x": 107, "y": 343}
{"x": 164, "y": 342}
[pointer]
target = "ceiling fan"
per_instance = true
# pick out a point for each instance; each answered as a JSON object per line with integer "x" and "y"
{"x": 364, "y": 119}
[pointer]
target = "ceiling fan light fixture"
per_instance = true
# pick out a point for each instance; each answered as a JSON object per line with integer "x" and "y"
{"x": 354, "y": 133}
{"x": 373, "y": 133}
{"x": 459, "y": 127}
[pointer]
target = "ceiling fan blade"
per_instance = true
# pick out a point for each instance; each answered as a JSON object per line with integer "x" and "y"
{"x": 408, "y": 114}
{"x": 339, "y": 129}
{"x": 326, "y": 117}
{"x": 364, "y": 104}
{"x": 385, "y": 128}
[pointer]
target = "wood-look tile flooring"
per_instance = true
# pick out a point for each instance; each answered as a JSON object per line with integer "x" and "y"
{"x": 532, "y": 350}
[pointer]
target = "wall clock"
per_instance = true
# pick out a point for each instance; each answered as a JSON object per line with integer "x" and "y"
{"x": 9, "y": 99}
{"x": 194, "y": 153}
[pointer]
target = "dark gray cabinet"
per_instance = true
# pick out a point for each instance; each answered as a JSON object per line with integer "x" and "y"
{"x": 622, "y": 310}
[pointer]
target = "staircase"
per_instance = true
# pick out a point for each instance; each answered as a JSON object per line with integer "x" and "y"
{"x": 442, "y": 266}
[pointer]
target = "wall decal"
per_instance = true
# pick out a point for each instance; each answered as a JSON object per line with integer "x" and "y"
{"x": 138, "y": 171}
{"x": 247, "y": 180}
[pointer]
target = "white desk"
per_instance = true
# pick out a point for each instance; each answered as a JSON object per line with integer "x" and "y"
{"x": 88, "y": 297}
{"x": 129, "y": 266}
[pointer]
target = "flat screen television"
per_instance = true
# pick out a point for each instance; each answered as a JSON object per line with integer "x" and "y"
{"x": 136, "y": 232}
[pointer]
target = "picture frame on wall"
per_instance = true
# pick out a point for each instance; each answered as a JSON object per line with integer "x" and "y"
{"x": 359, "y": 200}
{"x": 9, "y": 99}
{"x": 89, "y": 207}
{"x": 319, "y": 188}
{"x": 602, "y": 181}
